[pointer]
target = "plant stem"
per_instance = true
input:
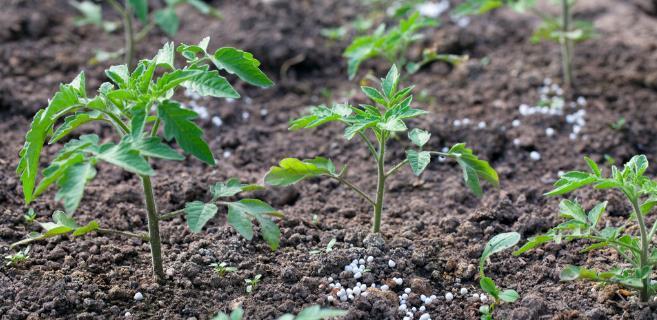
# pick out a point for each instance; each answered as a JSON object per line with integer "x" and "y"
{"x": 172, "y": 214}
{"x": 142, "y": 236}
{"x": 645, "y": 292}
{"x": 380, "y": 186}
{"x": 565, "y": 42}
{"x": 396, "y": 167}
{"x": 153, "y": 228}
{"x": 126, "y": 12}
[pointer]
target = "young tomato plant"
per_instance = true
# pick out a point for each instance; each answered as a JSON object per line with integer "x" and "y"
{"x": 637, "y": 250}
{"x": 252, "y": 284}
{"x": 309, "y": 313}
{"x": 18, "y": 257}
{"x": 137, "y": 103}
{"x": 383, "y": 120}
{"x": 498, "y": 243}
{"x": 392, "y": 45}
{"x": 165, "y": 18}
{"x": 222, "y": 268}
{"x": 561, "y": 29}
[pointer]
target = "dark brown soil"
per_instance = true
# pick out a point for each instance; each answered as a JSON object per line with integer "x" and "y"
{"x": 434, "y": 229}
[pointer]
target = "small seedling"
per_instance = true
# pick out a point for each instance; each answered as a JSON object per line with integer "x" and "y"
{"x": 222, "y": 268}
{"x": 561, "y": 29}
{"x": 165, "y": 18}
{"x": 309, "y": 313}
{"x": 637, "y": 250}
{"x": 498, "y": 243}
{"x": 392, "y": 44}
{"x": 18, "y": 257}
{"x": 30, "y": 216}
{"x": 618, "y": 124}
{"x": 136, "y": 104}
{"x": 329, "y": 247}
{"x": 384, "y": 119}
{"x": 252, "y": 284}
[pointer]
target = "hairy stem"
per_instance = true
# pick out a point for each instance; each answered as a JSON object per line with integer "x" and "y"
{"x": 396, "y": 167}
{"x": 566, "y": 46}
{"x": 380, "y": 186}
{"x": 126, "y": 13}
{"x": 128, "y": 234}
{"x": 170, "y": 215}
{"x": 153, "y": 228}
{"x": 645, "y": 243}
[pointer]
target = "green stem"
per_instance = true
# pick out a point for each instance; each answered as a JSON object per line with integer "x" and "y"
{"x": 380, "y": 186}
{"x": 368, "y": 142}
{"x": 396, "y": 167}
{"x": 645, "y": 290}
{"x": 565, "y": 42}
{"x": 153, "y": 228}
{"x": 128, "y": 30}
{"x": 128, "y": 234}
{"x": 170, "y": 215}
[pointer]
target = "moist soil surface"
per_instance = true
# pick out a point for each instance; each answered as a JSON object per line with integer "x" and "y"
{"x": 434, "y": 229}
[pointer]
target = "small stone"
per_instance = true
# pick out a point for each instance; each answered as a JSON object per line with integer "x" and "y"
{"x": 534, "y": 155}
{"x": 464, "y": 291}
{"x": 391, "y": 264}
{"x": 139, "y": 296}
{"x": 449, "y": 296}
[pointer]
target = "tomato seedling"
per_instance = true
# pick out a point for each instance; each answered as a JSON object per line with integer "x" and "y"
{"x": 136, "y": 104}
{"x": 561, "y": 28}
{"x": 641, "y": 193}
{"x": 165, "y": 18}
{"x": 392, "y": 45}
{"x": 222, "y": 268}
{"x": 496, "y": 244}
{"x": 18, "y": 257}
{"x": 383, "y": 120}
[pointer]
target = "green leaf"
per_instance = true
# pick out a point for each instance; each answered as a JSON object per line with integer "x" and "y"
{"x": 390, "y": 82}
{"x": 124, "y": 156}
{"x": 533, "y": 242}
{"x": 198, "y": 213}
{"x": 509, "y": 295}
{"x": 320, "y": 115}
{"x": 138, "y": 120}
{"x": 188, "y": 135}
{"x": 594, "y": 167}
{"x": 374, "y": 94}
{"x": 73, "y": 122}
{"x": 79, "y": 83}
{"x": 55, "y": 171}
{"x": 260, "y": 211}
{"x": 393, "y": 125}
{"x": 164, "y": 57}
{"x": 241, "y": 222}
{"x": 141, "y": 9}
{"x": 419, "y": 137}
{"x": 596, "y": 212}
{"x": 569, "y": 273}
{"x": 211, "y": 84}
{"x": 242, "y": 64}
{"x": 167, "y": 20}
{"x": 499, "y": 243}
{"x": 153, "y": 147}
{"x": 231, "y": 188}
{"x": 418, "y": 160}
{"x": 120, "y": 75}
{"x": 488, "y": 285}
{"x": 291, "y": 170}
{"x": 473, "y": 168}
{"x": 71, "y": 184}
{"x": 171, "y": 80}
{"x": 63, "y": 224}
{"x": 571, "y": 181}
{"x": 572, "y": 210}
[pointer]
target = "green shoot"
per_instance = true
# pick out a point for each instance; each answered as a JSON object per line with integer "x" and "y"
{"x": 561, "y": 29}
{"x": 383, "y": 120}
{"x": 498, "y": 243}
{"x": 137, "y": 103}
{"x": 129, "y": 10}
{"x": 18, "y": 257}
{"x": 30, "y": 216}
{"x": 222, "y": 268}
{"x": 252, "y": 284}
{"x": 329, "y": 247}
{"x": 392, "y": 44}
{"x": 636, "y": 250}
{"x": 309, "y": 313}
{"x": 618, "y": 124}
